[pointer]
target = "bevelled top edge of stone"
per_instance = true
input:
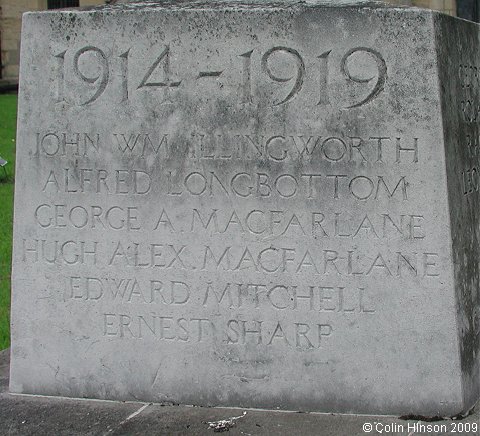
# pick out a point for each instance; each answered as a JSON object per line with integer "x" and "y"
{"x": 223, "y": 5}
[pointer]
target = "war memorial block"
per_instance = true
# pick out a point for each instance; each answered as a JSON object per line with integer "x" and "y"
{"x": 249, "y": 204}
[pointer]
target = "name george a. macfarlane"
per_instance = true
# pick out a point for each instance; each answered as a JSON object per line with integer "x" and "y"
{"x": 228, "y": 221}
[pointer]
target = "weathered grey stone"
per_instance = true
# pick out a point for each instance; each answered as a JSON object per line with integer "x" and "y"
{"x": 257, "y": 205}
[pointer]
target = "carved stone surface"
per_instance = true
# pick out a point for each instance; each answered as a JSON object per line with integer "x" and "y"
{"x": 255, "y": 205}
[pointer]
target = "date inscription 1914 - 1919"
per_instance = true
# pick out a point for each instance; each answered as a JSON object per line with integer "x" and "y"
{"x": 291, "y": 57}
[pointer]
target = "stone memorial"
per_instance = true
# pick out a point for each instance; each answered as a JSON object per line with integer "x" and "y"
{"x": 270, "y": 205}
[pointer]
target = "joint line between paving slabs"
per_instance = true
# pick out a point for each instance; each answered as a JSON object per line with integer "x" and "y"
{"x": 134, "y": 414}
{"x": 129, "y": 417}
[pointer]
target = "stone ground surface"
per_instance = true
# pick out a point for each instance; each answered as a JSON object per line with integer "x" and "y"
{"x": 34, "y": 415}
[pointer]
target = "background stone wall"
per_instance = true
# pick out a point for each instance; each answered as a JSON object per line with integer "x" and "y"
{"x": 446, "y": 6}
{"x": 10, "y": 25}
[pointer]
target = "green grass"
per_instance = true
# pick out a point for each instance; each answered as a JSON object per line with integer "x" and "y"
{"x": 8, "y": 116}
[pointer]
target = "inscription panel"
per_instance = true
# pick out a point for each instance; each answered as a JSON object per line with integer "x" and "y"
{"x": 235, "y": 211}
